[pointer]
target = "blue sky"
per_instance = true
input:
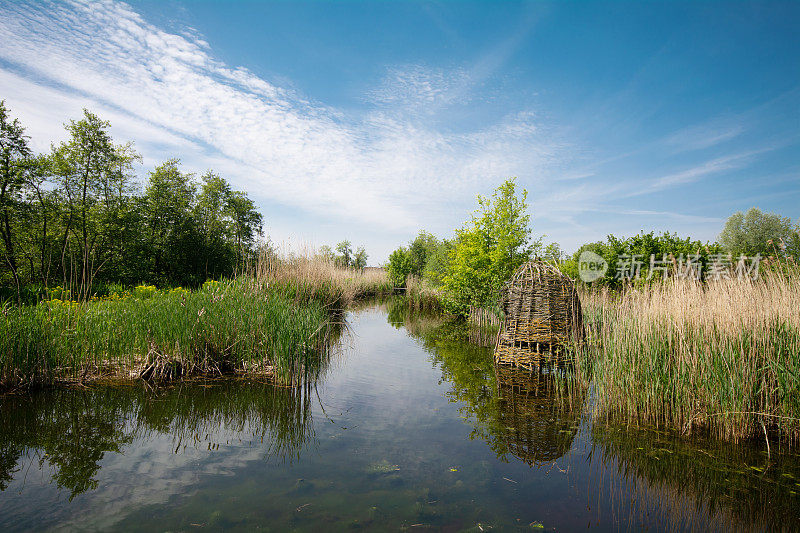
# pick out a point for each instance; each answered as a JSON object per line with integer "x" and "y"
{"x": 370, "y": 121}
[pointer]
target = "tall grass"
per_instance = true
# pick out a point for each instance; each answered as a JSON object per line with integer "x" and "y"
{"x": 420, "y": 295}
{"x": 228, "y": 326}
{"x": 277, "y": 319}
{"x": 723, "y": 357}
{"x": 312, "y": 278}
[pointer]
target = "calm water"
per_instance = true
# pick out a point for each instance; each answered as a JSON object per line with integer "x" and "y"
{"x": 409, "y": 428}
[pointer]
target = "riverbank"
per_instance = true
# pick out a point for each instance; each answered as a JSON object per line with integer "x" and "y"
{"x": 278, "y": 321}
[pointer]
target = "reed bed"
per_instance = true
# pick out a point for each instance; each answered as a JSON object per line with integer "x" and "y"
{"x": 278, "y": 319}
{"x": 721, "y": 357}
{"x": 228, "y": 326}
{"x": 313, "y": 278}
{"x": 421, "y": 295}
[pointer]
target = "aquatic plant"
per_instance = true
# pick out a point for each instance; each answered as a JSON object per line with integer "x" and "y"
{"x": 722, "y": 357}
{"x": 234, "y": 325}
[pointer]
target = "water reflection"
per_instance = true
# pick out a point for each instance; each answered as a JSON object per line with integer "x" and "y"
{"x": 538, "y": 413}
{"x": 647, "y": 477}
{"x": 413, "y": 428}
{"x": 686, "y": 482}
{"x": 69, "y": 431}
{"x": 532, "y": 416}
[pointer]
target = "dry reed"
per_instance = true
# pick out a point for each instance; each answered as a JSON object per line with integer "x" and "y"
{"x": 722, "y": 356}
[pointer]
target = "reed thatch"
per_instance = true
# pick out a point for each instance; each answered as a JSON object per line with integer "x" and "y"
{"x": 539, "y": 419}
{"x": 542, "y": 317}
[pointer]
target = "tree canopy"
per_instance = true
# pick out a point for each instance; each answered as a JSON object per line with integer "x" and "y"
{"x": 489, "y": 248}
{"x": 77, "y": 216}
{"x": 756, "y": 232}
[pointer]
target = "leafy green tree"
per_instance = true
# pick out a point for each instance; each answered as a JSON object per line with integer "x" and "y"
{"x": 14, "y": 156}
{"x": 552, "y": 253}
{"x": 345, "y": 257}
{"x": 214, "y": 222}
{"x": 756, "y": 232}
{"x": 419, "y": 251}
{"x": 93, "y": 175}
{"x": 399, "y": 267}
{"x": 247, "y": 224}
{"x": 438, "y": 263}
{"x": 488, "y": 249}
{"x": 638, "y": 249}
{"x": 77, "y": 215}
{"x": 327, "y": 253}
{"x": 360, "y": 259}
{"x": 168, "y": 202}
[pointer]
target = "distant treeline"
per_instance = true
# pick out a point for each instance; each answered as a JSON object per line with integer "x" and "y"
{"x": 77, "y": 217}
{"x": 470, "y": 269}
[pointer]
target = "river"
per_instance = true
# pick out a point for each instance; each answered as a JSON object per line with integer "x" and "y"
{"x": 410, "y": 426}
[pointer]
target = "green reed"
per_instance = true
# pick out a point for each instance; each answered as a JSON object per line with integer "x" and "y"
{"x": 230, "y": 326}
{"x": 723, "y": 358}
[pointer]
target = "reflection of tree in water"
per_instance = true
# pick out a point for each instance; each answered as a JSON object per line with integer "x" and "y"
{"x": 700, "y": 481}
{"x": 71, "y": 429}
{"x": 532, "y": 416}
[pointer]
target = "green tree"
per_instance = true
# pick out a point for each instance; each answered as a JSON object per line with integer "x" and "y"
{"x": 399, "y": 267}
{"x": 360, "y": 259}
{"x": 93, "y": 175}
{"x": 637, "y": 250}
{"x": 345, "y": 257}
{"x": 420, "y": 250}
{"x": 438, "y": 263}
{"x": 169, "y": 200}
{"x": 14, "y": 156}
{"x": 327, "y": 253}
{"x": 488, "y": 249}
{"x": 756, "y": 232}
{"x": 214, "y": 222}
{"x": 247, "y": 225}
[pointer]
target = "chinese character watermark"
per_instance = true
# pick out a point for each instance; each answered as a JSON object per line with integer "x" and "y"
{"x": 716, "y": 267}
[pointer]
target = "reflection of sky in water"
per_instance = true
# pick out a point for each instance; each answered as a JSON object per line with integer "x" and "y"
{"x": 390, "y": 447}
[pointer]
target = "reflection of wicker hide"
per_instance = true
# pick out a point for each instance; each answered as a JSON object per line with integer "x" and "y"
{"x": 542, "y": 317}
{"x": 537, "y": 425}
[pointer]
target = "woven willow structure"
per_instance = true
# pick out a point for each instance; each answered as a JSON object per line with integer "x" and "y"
{"x": 542, "y": 317}
{"x": 538, "y": 421}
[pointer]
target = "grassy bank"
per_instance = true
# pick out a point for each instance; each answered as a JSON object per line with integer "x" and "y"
{"x": 279, "y": 321}
{"x": 722, "y": 357}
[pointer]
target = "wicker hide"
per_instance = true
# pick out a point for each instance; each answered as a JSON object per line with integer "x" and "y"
{"x": 539, "y": 424}
{"x": 542, "y": 318}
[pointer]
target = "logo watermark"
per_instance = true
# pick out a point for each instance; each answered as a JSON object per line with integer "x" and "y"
{"x": 591, "y": 266}
{"x": 715, "y": 267}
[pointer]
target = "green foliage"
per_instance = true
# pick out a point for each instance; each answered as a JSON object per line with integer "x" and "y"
{"x": 756, "y": 232}
{"x": 399, "y": 267}
{"x": 360, "y": 259}
{"x": 75, "y": 217}
{"x": 14, "y": 154}
{"x": 642, "y": 246}
{"x": 488, "y": 249}
{"x": 413, "y": 260}
{"x": 346, "y": 258}
{"x": 438, "y": 263}
{"x": 231, "y": 324}
{"x": 419, "y": 252}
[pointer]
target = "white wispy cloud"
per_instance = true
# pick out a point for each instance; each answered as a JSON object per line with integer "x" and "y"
{"x": 168, "y": 92}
